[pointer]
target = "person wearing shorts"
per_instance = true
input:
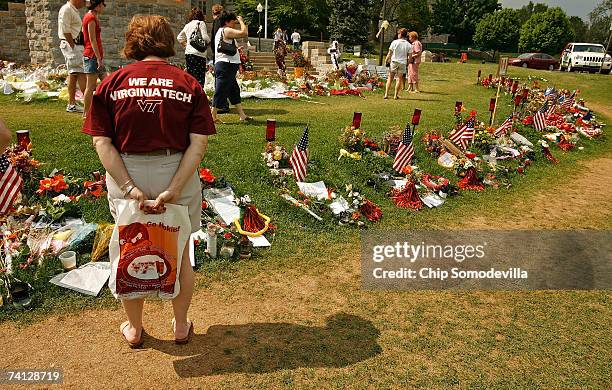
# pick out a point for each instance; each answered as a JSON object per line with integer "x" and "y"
{"x": 150, "y": 123}
{"x": 93, "y": 56}
{"x": 226, "y": 66}
{"x": 71, "y": 44}
{"x": 397, "y": 60}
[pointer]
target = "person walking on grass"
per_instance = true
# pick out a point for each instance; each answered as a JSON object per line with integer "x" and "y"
{"x": 69, "y": 30}
{"x": 195, "y": 60}
{"x": 227, "y": 65}
{"x": 93, "y": 55}
{"x": 217, "y": 9}
{"x": 414, "y": 61}
{"x": 152, "y": 151}
{"x": 397, "y": 58}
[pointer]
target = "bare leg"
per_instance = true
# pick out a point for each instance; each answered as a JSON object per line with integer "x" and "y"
{"x": 416, "y": 87}
{"x": 72, "y": 82}
{"x": 214, "y": 113}
{"x": 390, "y": 78}
{"x": 398, "y": 86}
{"x": 180, "y": 304}
{"x": 92, "y": 79}
{"x": 82, "y": 82}
{"x": 133, "y": 310}
{"x": 240, "y": 110}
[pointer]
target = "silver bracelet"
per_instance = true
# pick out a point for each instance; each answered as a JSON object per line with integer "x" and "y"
{"x": 128, "y": 191}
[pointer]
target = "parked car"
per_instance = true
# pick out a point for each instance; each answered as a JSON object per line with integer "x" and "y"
{"x": 535, "y": 61}
{"x": 585, "y": 56}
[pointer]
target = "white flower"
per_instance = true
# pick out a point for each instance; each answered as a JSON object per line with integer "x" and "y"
{"x": 61, "y": 198}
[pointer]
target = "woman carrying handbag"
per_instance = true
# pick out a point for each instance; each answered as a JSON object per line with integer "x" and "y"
{"x": 227, "y": 63}
{"x": 195, "y": 40}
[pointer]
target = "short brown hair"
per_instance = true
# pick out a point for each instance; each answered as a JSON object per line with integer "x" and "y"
{"x": 148, "y": 35}
{"x": 195, "y": 14}
{"x": 402, "y": 32}
{"x": 217, "y": 9}
{"x": 413, "y": 35}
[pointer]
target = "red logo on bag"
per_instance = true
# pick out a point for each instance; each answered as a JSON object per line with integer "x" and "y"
{"x": 147, "y": 259}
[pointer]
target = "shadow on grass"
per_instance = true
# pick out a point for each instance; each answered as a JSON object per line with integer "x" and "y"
{"x": 264, "y": 111}
{"x": 267, "y": 347}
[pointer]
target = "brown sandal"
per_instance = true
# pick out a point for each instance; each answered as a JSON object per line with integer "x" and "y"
{"x": 138, "y": 343}
{"x": 185, "y": 339}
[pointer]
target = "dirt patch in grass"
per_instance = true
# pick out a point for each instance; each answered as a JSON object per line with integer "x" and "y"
{"x": 583, "y": 201}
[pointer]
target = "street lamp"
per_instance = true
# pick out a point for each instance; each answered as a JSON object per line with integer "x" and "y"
{"x": 259, "y": 9}
{"x": 607, "y": 48}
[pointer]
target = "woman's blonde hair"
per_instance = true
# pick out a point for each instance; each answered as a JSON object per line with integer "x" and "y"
{"x": 414, "y": 35}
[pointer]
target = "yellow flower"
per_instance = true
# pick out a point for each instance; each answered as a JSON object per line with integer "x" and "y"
{"x": 277, "y": 155}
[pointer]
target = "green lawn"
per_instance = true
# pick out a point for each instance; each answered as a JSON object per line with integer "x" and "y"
{"x": 450, "y": 329}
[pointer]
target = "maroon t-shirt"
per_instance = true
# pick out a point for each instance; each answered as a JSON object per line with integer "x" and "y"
{"x": 147, "y": 106}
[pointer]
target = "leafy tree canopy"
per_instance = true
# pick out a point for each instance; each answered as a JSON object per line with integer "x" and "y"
{"x": 498, "y": 31}
{"x": 546, "y": 32}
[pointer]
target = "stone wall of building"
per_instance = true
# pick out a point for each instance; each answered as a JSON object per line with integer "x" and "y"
{"x": 41, "y": 21}
{"x": 13, "y": 40}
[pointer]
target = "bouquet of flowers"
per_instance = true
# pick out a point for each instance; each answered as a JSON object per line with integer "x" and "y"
{"x": 352, "y": 139}
{"x": 298, "y": 59}
{"x": 276, "y": 156}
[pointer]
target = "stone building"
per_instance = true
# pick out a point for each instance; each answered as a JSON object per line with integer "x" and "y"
{"x": 28, "y": 31}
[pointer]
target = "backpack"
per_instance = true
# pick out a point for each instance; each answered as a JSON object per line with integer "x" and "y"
{"x": 197, "y": 41}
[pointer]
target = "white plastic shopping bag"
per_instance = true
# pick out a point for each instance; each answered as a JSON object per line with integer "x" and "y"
{"x": 146, "y": 250}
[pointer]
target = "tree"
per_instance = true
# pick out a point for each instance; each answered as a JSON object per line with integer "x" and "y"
{"x": 498, "y": 32}
{"x": 308, "y": 16}
{"x": 414, "y": 15}
{"x": 599, "y": 22}
{"x": 525, "y": 12}
{"x": 581, "y": 29}
{"x": 546, "y": 32}
{"x": 349, "y": 20}
{"x": 459, "y": 18}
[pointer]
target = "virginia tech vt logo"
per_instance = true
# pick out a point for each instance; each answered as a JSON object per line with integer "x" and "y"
{"x": 148, "y": 105}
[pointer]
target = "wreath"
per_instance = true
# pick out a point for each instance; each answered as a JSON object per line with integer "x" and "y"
{"x": 435, "y": 183}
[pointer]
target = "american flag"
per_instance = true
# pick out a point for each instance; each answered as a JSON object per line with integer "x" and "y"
{"x": 10, "y": 184}
{"x": 539, "y": 119}
{"x": 299, "y": 157}
{"x": 504, "y": 126}
{"x": 405, "y": 151}
{"x": 569, "y": 102}
{"x": 464, "y": 134}
{"x": 552, "y": 108}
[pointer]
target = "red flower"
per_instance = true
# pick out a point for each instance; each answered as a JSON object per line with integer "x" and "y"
{"x": 44, "y": 185}
{"x": 227, "y": 235}
{"x": 470, "y": 155}
{"x": 204, "y": 205}
{"x": 59, "y": 183}
{"x": 207, "y": 176}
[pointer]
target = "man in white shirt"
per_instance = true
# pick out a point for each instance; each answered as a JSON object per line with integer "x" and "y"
{"x": 69, "y": 27}
{"x": 397, "y": 60}
{"x": 296, "y": 38}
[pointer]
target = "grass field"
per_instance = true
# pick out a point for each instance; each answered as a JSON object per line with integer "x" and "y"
{"x": 421, "y": 339}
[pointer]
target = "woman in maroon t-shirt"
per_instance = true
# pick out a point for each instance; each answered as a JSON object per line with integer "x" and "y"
{"x": 93, "y": 55}
{"x": 150, "y": 123}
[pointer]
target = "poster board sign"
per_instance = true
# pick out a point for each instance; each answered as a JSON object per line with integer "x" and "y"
{"x": 502, "y": 68}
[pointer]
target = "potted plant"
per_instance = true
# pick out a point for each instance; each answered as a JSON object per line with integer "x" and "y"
{"x": 299, "y": 63}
